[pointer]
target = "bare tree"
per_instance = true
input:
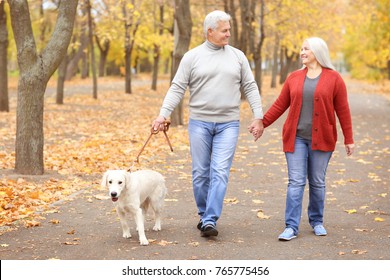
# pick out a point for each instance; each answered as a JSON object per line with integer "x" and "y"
{"x": 35, "y": 71}
{"x": 4, "y": 102}
{"x": 182, "y": 32}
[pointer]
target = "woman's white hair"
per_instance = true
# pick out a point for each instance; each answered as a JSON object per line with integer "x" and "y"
{"x": 212, "y": 19}
{"x": 321, "y": 52}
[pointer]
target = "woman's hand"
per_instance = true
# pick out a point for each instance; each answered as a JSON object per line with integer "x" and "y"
{"x": 350, "y": 148}
{"x": 256, "y": 128}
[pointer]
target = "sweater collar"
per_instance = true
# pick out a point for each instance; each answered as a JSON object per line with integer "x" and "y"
{"x": 211, "y": 46}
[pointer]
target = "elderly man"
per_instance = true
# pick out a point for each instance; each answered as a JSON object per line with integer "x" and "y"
{"x": 214, "y": 72}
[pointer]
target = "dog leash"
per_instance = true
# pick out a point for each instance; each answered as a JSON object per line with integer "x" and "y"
{"x": 164, "y": 128}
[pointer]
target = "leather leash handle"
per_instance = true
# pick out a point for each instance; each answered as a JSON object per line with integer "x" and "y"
{"x": 163, "y": 127}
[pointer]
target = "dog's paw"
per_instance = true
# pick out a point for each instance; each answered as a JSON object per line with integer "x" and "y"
{"x": 157, "y": 228}
{"x": 126, "y": 235}
{"x": 143, "y": 242}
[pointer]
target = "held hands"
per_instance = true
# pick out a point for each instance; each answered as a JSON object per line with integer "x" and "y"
{"x": 256, "y": 128}
{"x": 350, "y": 148}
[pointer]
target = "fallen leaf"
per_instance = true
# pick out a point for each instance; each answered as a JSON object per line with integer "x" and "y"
{"x": 70, "y": 243}
{"x": 54, "y": 222}
{"x": 358, "y": 252}
{"x": 351, "y": 211}
{"x": 377, "y": 219}
{"x": 4, "y": 245}
{"x": 231, "y": 200}
{"x": 353, "y": 180}
{"x": 361, "y": 229}
{"x": 364, "y": 162}
{"x": 164, "y": 243}
{"x": 261, "y": 215}
{"x": 32, "y": 223}
{"x": 257, "y": 201}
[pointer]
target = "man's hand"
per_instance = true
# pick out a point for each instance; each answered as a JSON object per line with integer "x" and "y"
{"x": 256, "y": 128}
{"x": 156, "y": 124}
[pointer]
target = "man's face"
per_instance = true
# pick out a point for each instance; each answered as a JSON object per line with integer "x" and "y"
{"x": 220, "y": 36}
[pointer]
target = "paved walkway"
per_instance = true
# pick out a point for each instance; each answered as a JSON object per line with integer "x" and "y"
{"x": 356, "y": 214}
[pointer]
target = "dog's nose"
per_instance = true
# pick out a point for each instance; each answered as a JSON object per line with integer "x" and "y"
{"x": 114, "y": 194}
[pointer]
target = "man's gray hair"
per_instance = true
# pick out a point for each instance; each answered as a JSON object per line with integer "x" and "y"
{"x": 320, "y": 50}
{"x": 212, "y": 19}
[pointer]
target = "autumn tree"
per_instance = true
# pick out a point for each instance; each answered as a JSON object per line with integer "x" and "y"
{"x": 182, "y": 34}
{"x": 131, "y": 20}
{"x": 82, "y": 43}
{"x": 91, "y": 48}
{"x": 366, "y": 46}
{"x": 156, "y": 46}
{"x": 35, "y": 71}
{"x": 4, "y": 103}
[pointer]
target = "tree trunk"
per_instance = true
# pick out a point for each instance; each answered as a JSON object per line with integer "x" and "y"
{"x": 61, "y": 81}
{"x": 156, "y": 56}
{"x": 258, "y": 50}
{"x": 4, "y": 102}
{"x": 91, "y": 47}
{"x": 183, "y": 31}
{"x": 231, "y": 10}
{"x": 246, "y": 21}
{"x": 73, "y": 64}
{"x": 388, "y": 69}
{"x": 103, "y": 48}
{"x": 130, "y": 31}
{"x": 275, "y": 62}
{"x": 35, "y": 71}
{"x": 287, "y": 67}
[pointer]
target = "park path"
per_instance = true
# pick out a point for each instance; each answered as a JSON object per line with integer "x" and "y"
{"x": 357, "y": 213}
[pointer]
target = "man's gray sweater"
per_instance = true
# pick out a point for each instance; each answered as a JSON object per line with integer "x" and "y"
{"x": 214, "y": 76}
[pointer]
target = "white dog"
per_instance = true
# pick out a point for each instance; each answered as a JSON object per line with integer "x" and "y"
{"x": 132, "y": 193}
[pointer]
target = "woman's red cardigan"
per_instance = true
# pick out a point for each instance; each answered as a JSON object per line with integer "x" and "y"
{"x": 330, "y": 97}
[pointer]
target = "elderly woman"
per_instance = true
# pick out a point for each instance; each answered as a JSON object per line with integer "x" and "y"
{"x": 314, "y": 94}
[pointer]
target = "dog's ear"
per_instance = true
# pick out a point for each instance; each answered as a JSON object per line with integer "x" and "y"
{"x": 128, "y": 179}
{"x": 104, "y": 180}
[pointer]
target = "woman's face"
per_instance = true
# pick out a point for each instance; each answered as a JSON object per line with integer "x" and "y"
{"x": 307, "y": 55}
{"x": 220, "y": 36}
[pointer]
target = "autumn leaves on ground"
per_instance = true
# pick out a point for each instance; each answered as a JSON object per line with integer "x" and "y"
{"x": 83, "y": 138}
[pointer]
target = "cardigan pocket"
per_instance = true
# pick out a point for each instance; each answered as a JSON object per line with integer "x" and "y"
{"x": 328, "y": 136}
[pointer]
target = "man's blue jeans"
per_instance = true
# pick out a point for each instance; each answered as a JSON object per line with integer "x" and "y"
{"x": 303, "y": 164}
{"x": 212, "y": 150}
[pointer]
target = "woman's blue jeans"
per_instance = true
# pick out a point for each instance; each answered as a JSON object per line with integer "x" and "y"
{"x": 305, "y": 164}
{"x": 212, "y": 150}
